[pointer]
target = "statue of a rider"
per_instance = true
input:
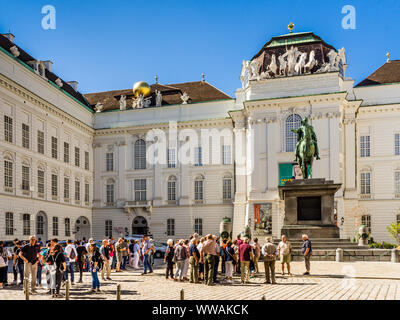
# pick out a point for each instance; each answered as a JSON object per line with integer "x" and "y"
{"x": 302, "y": 132}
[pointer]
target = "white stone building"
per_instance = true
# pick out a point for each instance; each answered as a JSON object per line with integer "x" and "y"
{"x": 249, "y": 146}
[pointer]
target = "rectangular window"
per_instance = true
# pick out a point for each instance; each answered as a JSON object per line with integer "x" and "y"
{"x": 108, "y": 231}
{"x": 198, "y": 190}
{"x": 40, "y": 174}
{"x": 9, "y": 223}
{"x": 397, "y": 182}
{"x": 66, "y": 152}
{"x": 397, "y": 144}
{"x": 54, "y": 185}
{"x": 171, "y": 158}
{"x": 86, "y": 160}
{"x": 67, "y": 227}
{"x": 365, "y": 183}
{"x": 25, "y": 178}
{"x": 54, "y": 147}
{"x": 8, "y": 129}
{"x": 26, "y": 224}
{"x": 77, "y": 156}
{"x": 55, "y": 226}
{"x": 227, "y": 188}
{"x": 170, "y": 227}
{"x": 198, "y": 157}
{"x": 365, "y": 150}
{"x": 8, "y": 174}
{"x": 198, "y": 226}
{"x": 226, "y": 154}
{"x": 140, "y": 189}
{"x": 171, "y": 190}
{"x": 25, "y": 136}
{"x": 77, "y": 190}
{"x": 66, "y": 188}
{"x": 110, "y": 193}
{"x": 366, "y": 221}
{"x": 87, "y": 193}
{"x": 40, "y": 141}
{"x": 109, "y": 161}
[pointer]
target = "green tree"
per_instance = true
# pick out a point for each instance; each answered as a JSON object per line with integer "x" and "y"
{"x": 394, "y": 231}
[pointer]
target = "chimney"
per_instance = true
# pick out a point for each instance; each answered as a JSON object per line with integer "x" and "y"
{"x": 9, "y": 36}
{"x": 48, "y": 64}
{"x": 73, "y": 84}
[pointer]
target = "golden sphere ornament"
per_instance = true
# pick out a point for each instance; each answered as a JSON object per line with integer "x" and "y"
{"x": 141, "y": 88}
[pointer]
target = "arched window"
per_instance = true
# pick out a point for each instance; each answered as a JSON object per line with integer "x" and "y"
{"x": 172, "y": 188}
{"x": 227, "y": 187}
{"x": 108, "y": 231}
{"x": 292, "y": 122}
{"x": 110, "y": 191}
{"x": 8, "y": 173}
{"x": 140, "y": 154}
{"x": 170, "y": 227}
{"x": 9, "y": 223}
{"x": 366, "y": 221}
{"x": 199, "y": 188}
{"x": 67, "y": 225}
{"x": 198, "y": 226}
{"x": 26, "y": 219}
{"x": 40, "y": 225}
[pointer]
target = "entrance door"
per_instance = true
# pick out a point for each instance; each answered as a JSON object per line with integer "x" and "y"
{"x": 139, "y": 225}
{"x": 41, "y": 226}
{"x": 82, "y": 228}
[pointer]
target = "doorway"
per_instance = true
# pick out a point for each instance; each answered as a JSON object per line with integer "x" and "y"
{"x": 41, "y": 226}
{"x": 82, "y": 228}
{"x": 139, "y": 225}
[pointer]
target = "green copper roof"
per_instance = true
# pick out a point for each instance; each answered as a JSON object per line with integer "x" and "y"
{"x": 292, "y": 39}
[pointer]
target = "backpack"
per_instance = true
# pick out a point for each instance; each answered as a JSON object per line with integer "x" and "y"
{"x": 72, "y": 255}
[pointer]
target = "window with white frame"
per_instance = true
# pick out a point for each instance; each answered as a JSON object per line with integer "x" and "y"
{"x": 66, "y": 152}
{"x": 25, "y": 136}
{"x": 66, "y": 188}
{"x": 8, "y": 174}
{"x": 172, "y": 188}
{"x": 25, "y": 178}
{"x": 198, "y": 158}
{"x": 67, "y": 227}
{"x": 365, "y": 150}
{"x": 86, "y": 160}
{"x": 26, "y": 224}
{"x": 110, "y": 191}
{"x": 397, "y": 144}
{"x": 198, "y": 226}
{"x": 54, "y": 185}
{"x": 54, "y": 147}
{"x": 40, "y": 177}
{"x": 365, "y": 182}
{"x": 8, "y": 129}
{"x": 77, "y": 156}
{"x": 198, "y": 188}
{"x": 397, "y": 182}
{"x": 226, "y": 154}
{"x": 55, "y": 226}
{"x": 293, "y": 122}
{"x": 171, "y": 158}
{"x": 40, "y": 141}
{"x": 227, "y": 188}
{"x": 109, "y": 161}
{"x": 140, "y": 154}
{"x": 39, "y": 224}
{"x": 108, "y": 230}
{"x": 77, "y": 190}
{"x": 9, "y": 223}
{"x": 366, "y": 221}
{"x": 140, "y": 189}
{"x": 87, "y": 194}
{"x": 170, "y": 227}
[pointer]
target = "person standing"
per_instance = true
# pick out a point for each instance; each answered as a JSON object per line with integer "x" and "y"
{"x": 18, "y": 263}
{"x": 306, "y": 250}
{"x": 4, "y": 256}
{"x": 131, "y": 251}
{"x": 194, "y": 261}
{"x": 136, "y": 255}
{"x": 245, "y": 256}
{"x": 257, "y": 254}
{"x": 71, "y": 255}
{"x": 15, "y": 268}
{"x": 146, "y": 247}
{"x": 119, "y": 248}
{"x": 269, "y": 253}
{"x": 218, "y": 254}
{"x": 169, "y": 259}
{"x": 180, "y": 257}
{"x": 230, "y": 259}
{"x": 187, "y": 262}
{"x": 30, "y": 255}
{"x": 208, "y": 253}
{"x": 57, "y": 259}
{"x": 285, "y": 254}
{"x": 239, "y": 242}
{"x": 81, "y": 258}
{"x": 39, "y": 267}
{"x": 201, "y": 265}
{"x": 125, "y": 248}
{"x": 105, "y": 255}
{"x": 95, "y": 265}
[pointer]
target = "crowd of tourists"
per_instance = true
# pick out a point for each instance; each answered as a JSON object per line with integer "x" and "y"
{"x": 203, "y": 258}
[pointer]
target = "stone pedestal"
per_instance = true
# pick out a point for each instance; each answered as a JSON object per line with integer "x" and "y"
{"x": 309, "y": 205}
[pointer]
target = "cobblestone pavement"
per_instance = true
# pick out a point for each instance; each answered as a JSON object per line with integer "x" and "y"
{"x": 329, "y": 281}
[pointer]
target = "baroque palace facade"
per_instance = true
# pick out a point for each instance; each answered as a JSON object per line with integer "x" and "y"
{"x": 75, "y": 166}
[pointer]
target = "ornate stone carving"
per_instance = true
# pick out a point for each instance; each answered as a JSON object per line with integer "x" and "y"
{"x": 59, "y": 82}
{"x": 300, "y": 65}
{"x": 122, "y": 103}
{"x": 158, "y": 98}
{"x": 254, "y": 66}
{"x": 99, "y": 107}
{"x": 184, "y": 97}
{"x": 311, "y": 62}
{"x": 15, "y": 52}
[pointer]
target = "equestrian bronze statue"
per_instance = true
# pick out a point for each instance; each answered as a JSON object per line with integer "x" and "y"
{"x": 306, "y": 148}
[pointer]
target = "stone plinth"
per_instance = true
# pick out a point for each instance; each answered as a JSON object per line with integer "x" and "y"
{"x": 309, "y": 208}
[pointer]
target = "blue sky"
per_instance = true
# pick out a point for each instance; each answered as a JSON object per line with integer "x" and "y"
{"x": 107, "y": 45}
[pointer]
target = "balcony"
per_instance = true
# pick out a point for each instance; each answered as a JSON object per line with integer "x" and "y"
{"x": 365, "y": 196}
{"x": 130, "y": 206}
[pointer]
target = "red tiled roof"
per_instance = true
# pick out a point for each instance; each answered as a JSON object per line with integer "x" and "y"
{"x": 387, "y": 73}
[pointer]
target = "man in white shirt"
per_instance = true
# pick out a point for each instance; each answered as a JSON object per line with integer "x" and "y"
{"x": 71, "y": 253}
{"x": 285, "y": 254}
